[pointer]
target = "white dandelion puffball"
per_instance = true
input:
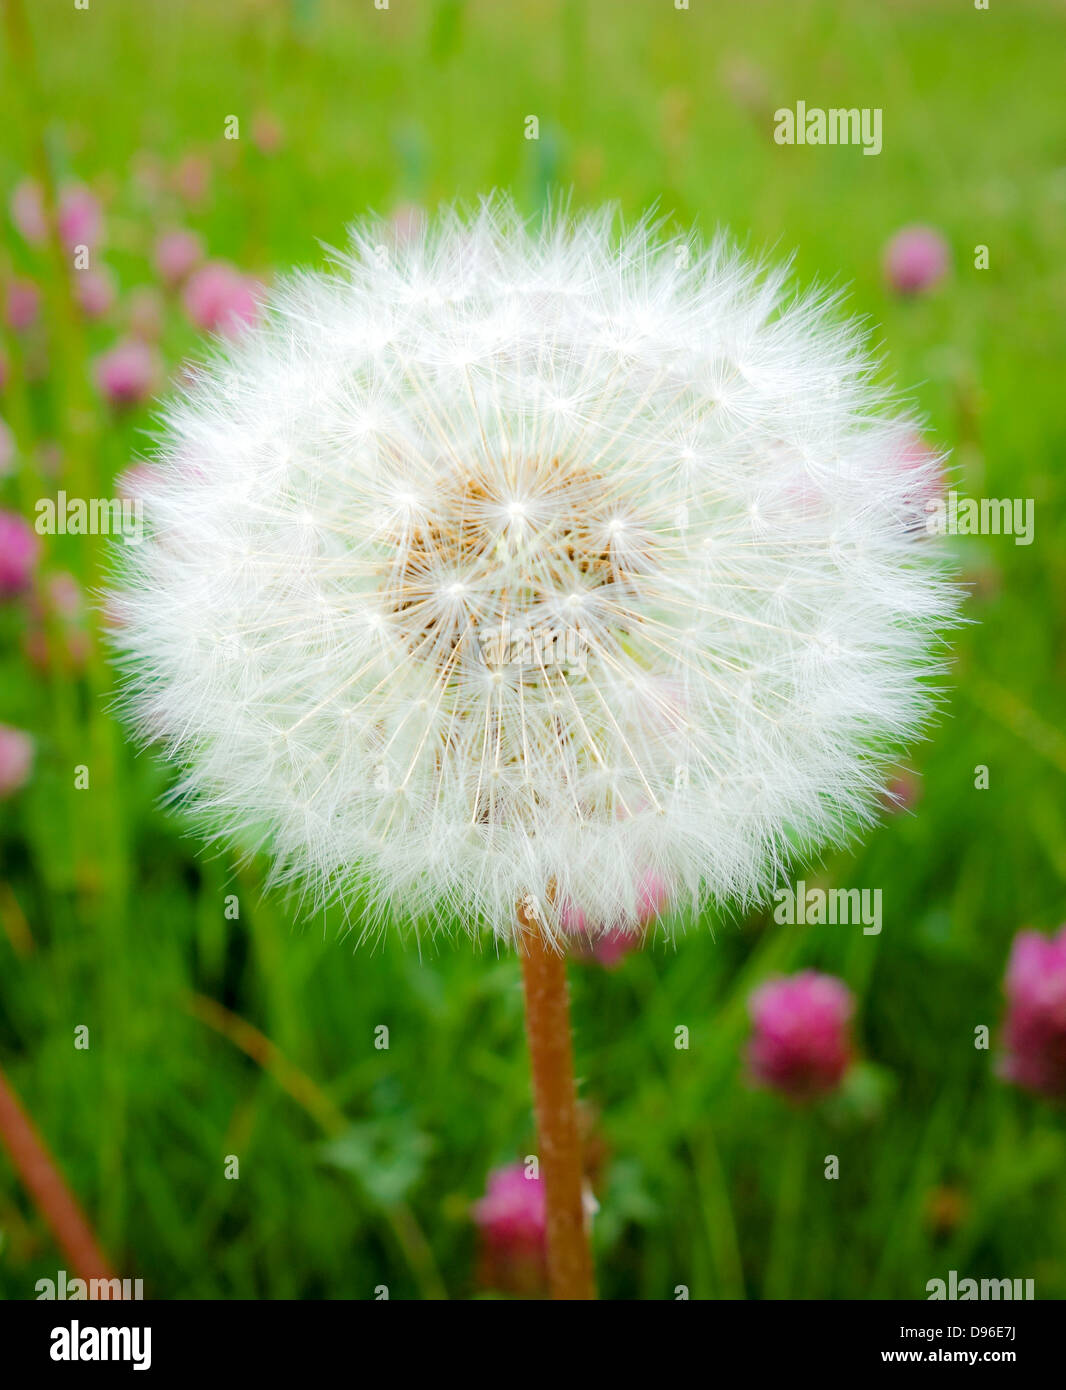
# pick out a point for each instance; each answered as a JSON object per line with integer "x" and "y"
{"x": 539, "y": 560}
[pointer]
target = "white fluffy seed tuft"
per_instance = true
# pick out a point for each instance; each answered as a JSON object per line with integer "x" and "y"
{"x": 516, "y": 561}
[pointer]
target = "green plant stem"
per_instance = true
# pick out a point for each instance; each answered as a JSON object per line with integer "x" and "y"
{"x": 784, "y": 1238}
{"x": 716, "y": 1211}
{"x": 330, "y": 1119}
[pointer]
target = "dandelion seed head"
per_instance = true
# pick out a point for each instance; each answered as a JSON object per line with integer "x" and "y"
{"x": 526, "y": 560}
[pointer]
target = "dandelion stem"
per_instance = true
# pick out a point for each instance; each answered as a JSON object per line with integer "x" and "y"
{"x": 555, "y": 1103}
{"x": 50, "y": 1193}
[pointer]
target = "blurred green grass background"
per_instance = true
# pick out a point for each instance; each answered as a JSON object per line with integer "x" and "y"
{"x": 114, "y": 917}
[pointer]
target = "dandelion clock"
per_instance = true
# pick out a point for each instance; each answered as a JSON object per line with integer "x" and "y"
{"x": 523, "y": 576}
